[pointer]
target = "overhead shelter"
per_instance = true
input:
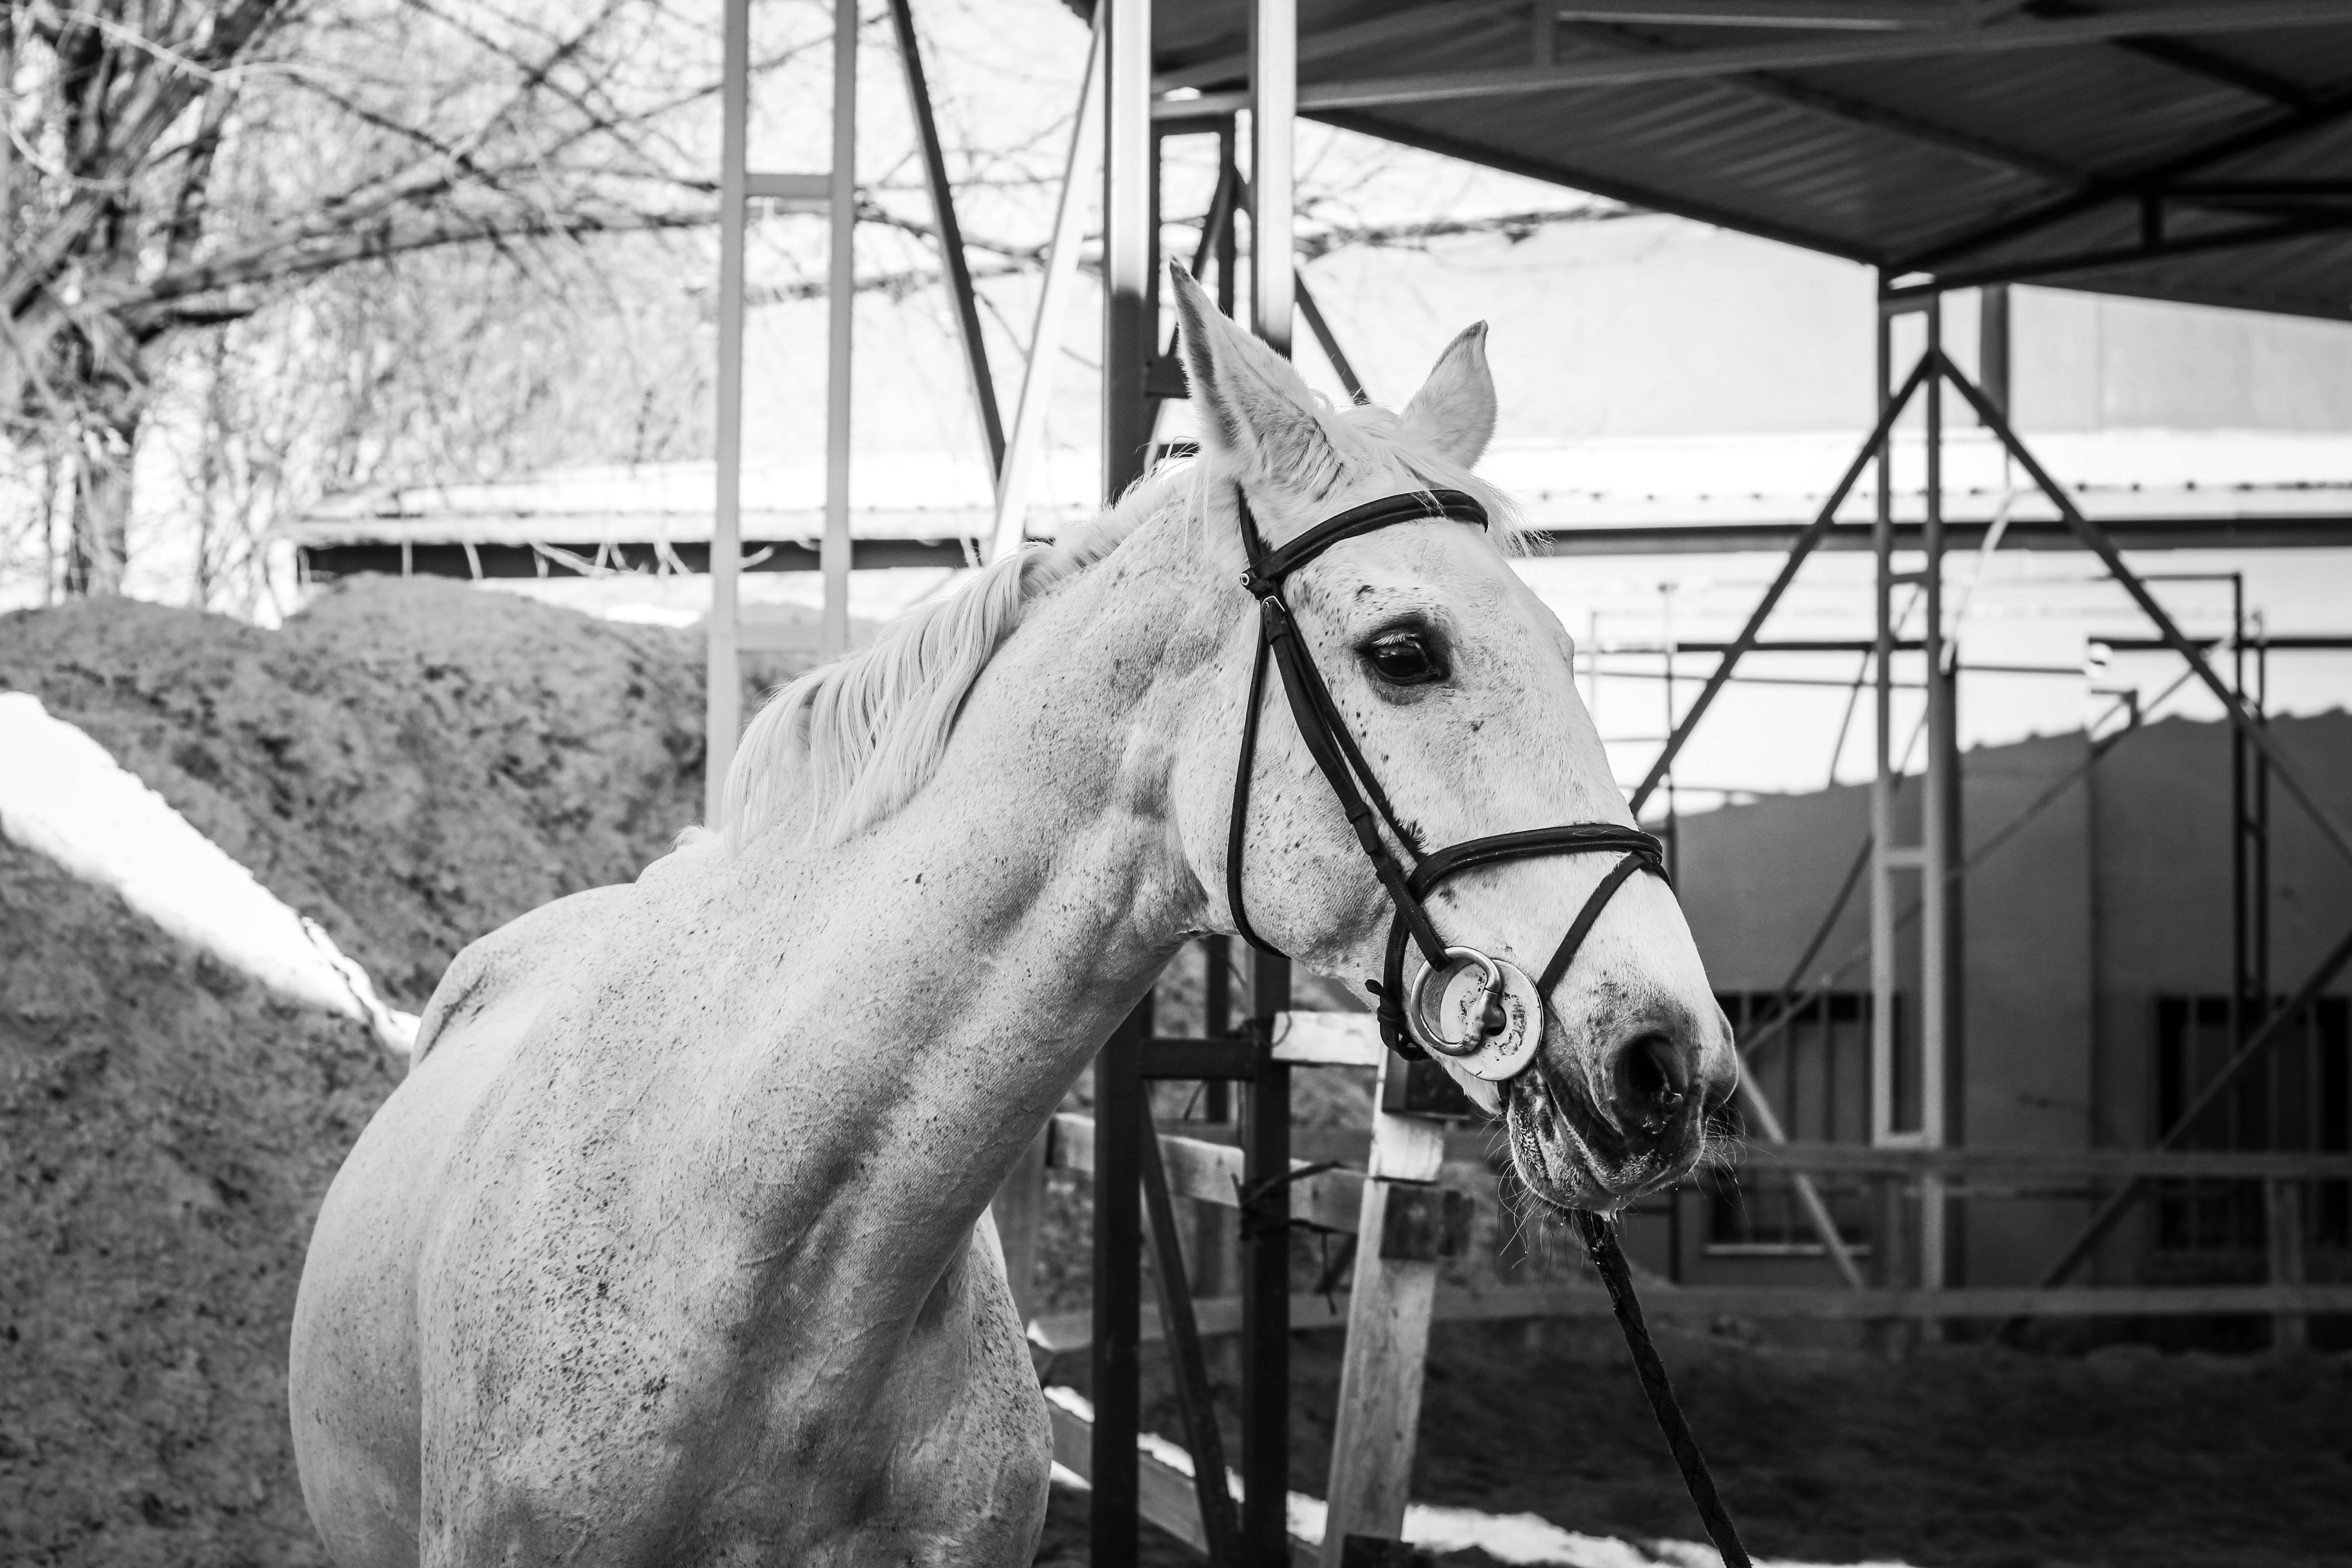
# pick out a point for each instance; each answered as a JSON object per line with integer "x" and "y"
{"x": 2182, "y": 150}
{"x": 2177, "y": 150}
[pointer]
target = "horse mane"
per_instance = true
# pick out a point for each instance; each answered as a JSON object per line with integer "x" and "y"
{"x": 849, "y": 743}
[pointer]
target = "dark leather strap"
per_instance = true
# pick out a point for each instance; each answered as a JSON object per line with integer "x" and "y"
{"x": 1271, "y": 567}
{"x": 1585, "y": 837}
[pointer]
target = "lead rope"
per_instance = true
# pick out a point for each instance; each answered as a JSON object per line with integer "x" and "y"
{"x": 1601, "y": 1242}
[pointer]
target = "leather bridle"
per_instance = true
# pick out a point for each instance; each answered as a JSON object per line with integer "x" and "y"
{"x": 1506, "y": 999}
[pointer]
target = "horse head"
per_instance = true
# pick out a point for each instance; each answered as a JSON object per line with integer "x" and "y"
{"x": 1457, "y": 686}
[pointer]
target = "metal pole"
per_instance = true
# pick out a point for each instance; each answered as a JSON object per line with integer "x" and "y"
{"x": 841, "y": 286}
{"x": 1935, "y": 849}
{"x": 1992, "y": 343}
{"x": 1273, "y": 106}
{"x": 1229, "y": 243}
{"x": 1882, "y": 780}
{"x": 959, "y": 269}
{"x": 1265, "y": 1280}
{"x": 1127, "y": 241}
{"x": 1122, "y": 1120}
{"x": 2241, "y": 984}
{"x": 1123, "y": 1113}
{"x": 723, "y": 692}
{"x": 1022, "y": 452}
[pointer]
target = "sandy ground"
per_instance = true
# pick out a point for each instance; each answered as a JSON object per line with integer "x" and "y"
{"x": 1962, "y": 1456}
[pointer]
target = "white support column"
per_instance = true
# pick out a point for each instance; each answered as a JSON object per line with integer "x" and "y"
{"x": 1127, "y": 241}
{"x": 834, "y": 556}
{"x": 1883, "y": 854}
{"x": 723, "y": 701}
{"x": 1273, "y": 108}
{"x": 1026, "y": 445}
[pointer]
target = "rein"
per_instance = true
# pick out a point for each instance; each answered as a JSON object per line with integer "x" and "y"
{"x": 1506, "y": 1023}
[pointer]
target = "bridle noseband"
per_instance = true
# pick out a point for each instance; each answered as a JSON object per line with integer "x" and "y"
{"x": 1505, "y": 997}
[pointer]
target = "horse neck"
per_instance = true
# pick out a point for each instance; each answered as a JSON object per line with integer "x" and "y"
{"x": 992, "y": 931}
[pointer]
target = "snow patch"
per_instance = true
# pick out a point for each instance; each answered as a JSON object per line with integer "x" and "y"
{"x": 62, "y": 795}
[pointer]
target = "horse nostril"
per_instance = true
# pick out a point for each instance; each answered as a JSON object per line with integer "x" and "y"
{"x": 1651, "y": 1087}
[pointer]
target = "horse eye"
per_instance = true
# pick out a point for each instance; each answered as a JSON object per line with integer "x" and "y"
{"x": 1405, "y": 657}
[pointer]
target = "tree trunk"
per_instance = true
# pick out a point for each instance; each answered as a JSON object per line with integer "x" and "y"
{"x": 113, "y": 401}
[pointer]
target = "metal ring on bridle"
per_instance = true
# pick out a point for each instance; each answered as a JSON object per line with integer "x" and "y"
{"x": 1471, "y": 1045}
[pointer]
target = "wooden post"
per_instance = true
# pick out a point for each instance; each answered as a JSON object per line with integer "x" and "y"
{"x": 2283, "y": 1215}
{"x": 1407, "y": 1223}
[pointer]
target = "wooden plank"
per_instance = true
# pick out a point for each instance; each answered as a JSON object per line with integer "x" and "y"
{"x": 1844, "y": 1305}
{"x": 1382, "y": 1368}
{"x": 2085, "y": 1164}
{"x": 1329, "y": 1039}
{"x": 1061, "y": 1333}
{"x": 1211, "y": 1173}
{"x": 2282, "y": 1217}
{"x": 1164, "y": 1491}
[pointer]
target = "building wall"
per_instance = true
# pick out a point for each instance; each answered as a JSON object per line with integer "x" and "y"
{"x": 2114, "y": 891}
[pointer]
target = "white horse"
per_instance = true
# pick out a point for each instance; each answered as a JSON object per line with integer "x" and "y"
{"x": 672, "y": 1247}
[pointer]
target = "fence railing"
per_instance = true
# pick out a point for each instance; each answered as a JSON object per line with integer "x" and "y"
{"x": 1207, "y": 1170}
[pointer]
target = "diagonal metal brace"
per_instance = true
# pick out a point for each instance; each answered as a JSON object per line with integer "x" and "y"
{"x": 2095, "y": 539}
{"x": 1815, "y": 531}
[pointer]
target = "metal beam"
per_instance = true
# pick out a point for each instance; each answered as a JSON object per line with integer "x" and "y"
{"x": 1128, "y": 330}
{"x": 2151, "y": 248}
{"x": 2257, "y": 734}
{"x": 2265, "y": 132}
{"x": 1052, "y": 311}
{"x": 2210, "y": 66}
{"x": 722, "y": 714}
{"x": 943, "y": 213}
{"x": 2281, "y": 532}
{"x": 1273, "y": 103}
{"x": 1799, "y": 549}
{"x": 2246, "y": 15}
{"x": 841, "y": 298}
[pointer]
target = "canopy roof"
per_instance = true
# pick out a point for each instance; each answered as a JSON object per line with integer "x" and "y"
{"x": 2190, "y": 150}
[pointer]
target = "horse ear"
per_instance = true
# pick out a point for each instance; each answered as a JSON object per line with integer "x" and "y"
{"x": 1454, "y": 409}
{"x": 1251, "y": 404}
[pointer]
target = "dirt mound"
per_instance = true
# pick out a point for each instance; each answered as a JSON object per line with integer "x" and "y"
{"x": 410, "y": 762}
{"x": 413, "y": 763}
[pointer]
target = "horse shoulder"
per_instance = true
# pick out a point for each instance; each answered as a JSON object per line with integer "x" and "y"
{"x": 518, "y": 959}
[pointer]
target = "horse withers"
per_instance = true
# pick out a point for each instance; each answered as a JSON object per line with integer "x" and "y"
{"x": 672, "y": 1249}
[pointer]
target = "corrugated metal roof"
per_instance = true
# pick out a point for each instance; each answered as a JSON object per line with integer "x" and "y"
{"x": 2173, "y": 149}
